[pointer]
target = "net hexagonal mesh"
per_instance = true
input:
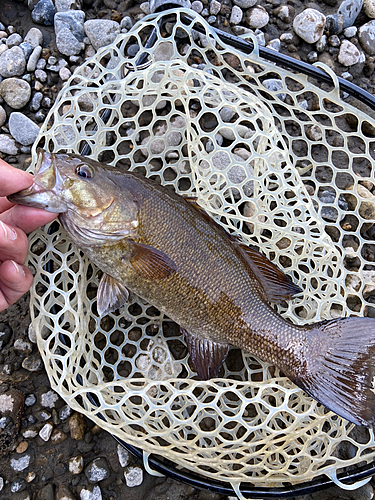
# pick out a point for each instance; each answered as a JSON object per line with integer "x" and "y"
{"x": 283, "y": 164}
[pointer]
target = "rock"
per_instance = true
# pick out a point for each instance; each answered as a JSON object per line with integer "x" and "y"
{"x": 46, "y": 431}
{"x": 67, "y": 43}
{"x": 133, "y": 476}
{"x": 77, "y": 426}
{"x": 12, "y": 62}
{"x": 65, "y": 412}
{"x": 101, "y": 32}
{"x": 34, "y": 37}
{"x": 285, "y": 13}
{"x": 19, "y": 344}
{"x": 18, "y": 485}
{"x": 76, "y": 465}
{"x": 22, "y": 447}
{"x": 44, "y": 12}
{"x": 236, "y": 15}
{"x": 215, "y": 7}
{"x": 49, "y": 398}
{"x": 30, "y": 400}
{"x": 257, "y": 17}
{"x": 348, "y": 54}
{"x": 123, "y": 455}
{"x": 66, "y": 5}
{"x": 145, "y": 7}
{"x": 14, "y": 40}
{"x": 97, "y": 470}
{"x": 309, "y": 25}
{"x": 46, "y": 493}
{"x": 64, "y": 493}
{"x": 65, "y": 74}
{"x": 245, "y": 4}
{"x": 73, "y": 21}
{"x": 32, "y": 363}
{"x": 20, "y": 464}
{"x": 34, "y": 58}
{"x": 3, "y": 48}
{"x": 369, "y": 8}
{"x": 349, "y": 9}
{"x": 314, "y": 133}
{"x": 5, "y": 330}
{"x": 35, "y": 101}
{"x": 335, "y": 23}
{"x": 23, "y": 130}
{"x": 41, "y": 75}
{"x": 366, "y": 35}
{"x": 8, "y": 145}
{"x": 1, "y": 483}
{"x": 27, "y": 49}
{"x": 94, "y": 494}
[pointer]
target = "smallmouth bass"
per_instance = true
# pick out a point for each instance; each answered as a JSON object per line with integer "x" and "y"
{"x": 147, "y": 239}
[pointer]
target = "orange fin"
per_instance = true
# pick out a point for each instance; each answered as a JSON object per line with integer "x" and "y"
{"x": 207, "y": 356}
{"x": 111, "y": 295}
{"x": 150, "y": 263}
{"x": 277, "y": 285}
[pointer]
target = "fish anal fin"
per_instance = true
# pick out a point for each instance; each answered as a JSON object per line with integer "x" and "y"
{"x": 149, "y": 262}
{"x": 277, "y": 286}
{"x": 111, "y": 295}
{"x": 340, "y": 368}
{"x": 207, "y": 356}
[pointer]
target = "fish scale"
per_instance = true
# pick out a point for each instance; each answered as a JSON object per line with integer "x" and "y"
{"x": 150, "y": 240}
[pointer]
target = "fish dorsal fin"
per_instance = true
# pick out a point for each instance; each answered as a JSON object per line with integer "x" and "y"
{"x": 207, "y": 356}
{"x": 150, "y": 263}
{"x": 276, "y": 285}
{"x": 111, "y": 295}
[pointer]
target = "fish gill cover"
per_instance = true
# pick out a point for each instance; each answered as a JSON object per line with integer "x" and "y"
{"x": 282, "y": 164}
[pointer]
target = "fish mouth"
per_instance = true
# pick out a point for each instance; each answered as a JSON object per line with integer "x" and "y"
{"x": 44, "y": 192}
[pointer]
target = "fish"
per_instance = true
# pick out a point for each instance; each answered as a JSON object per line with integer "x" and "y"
{"x": 148, "y": 240}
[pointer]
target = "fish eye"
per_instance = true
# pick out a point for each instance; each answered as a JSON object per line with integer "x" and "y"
{"x": 84, "y": 171}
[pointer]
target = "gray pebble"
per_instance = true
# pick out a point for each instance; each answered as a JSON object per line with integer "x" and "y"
{"x": 8, "y": 145}
{"x": 101, "y": 32}
{"x": 73, "y": 21}
{"x": 133, "y": 476}
{"x": 321, "y": 44}
{"x": 145, "y": 7}
{"x": 14, "y": 40}
{"x": 123, "y": 455}
{"x": 215, "y": 7}
{"x": 312, "y": 57}
{"x": 27, "y": 77}
{"x": 67, "y": 43}
{"x": 257, "y": 17}
{"x": 126, "y": 22}
{"x": 309, "y": 25}
{"x": 27, "y": 49}
{"x": 18, "y": 485}
{"x": 5, "y": 332}
{"x": 15, "y": 92}
{"x": 35, "y": 101}
{"x": 97, "y": 470}
{"x": 94, "y": 494}
{"x": 46, "y": 102}
{"x": 197, "y": 6}
{"x": 49, "y": 399}
{"x": 366, "y": 35}
{"x": 12, "y": 62}
{"x": 335, "y": 23}
{"x": 32, "y": 363}
{"x": 41, "y": 75}
{"x": 1, "y": 483}
{"x": 65, "y": 5}
{"x": 245, "y": 4}
{"x": 40, "y": 116}
{"x": 30, "y": 400}
{"x": 348, "y": 54}
{"x": 34, "y": 37}
{"x": 236, "y": 15}
{"x": 34, "y": 58}
{"x": 273, "y": 84}
{"x": 65, "y": 74}
{"x": 41, "y": 64}
{"x": 3, "y": 118}
{"x": 2, "y": 27}
{"x": 275, "y": 44}
{"x": 21, "y": 463}
{"x": 350, "y": 32}
{"x": 211, "y": 20}
{"x": 52, "y": 60}
{"x": 350, "y": 9}
{"x": 44, "y": 12}
{"x": 11, "y": 29}
{"x": 25, "y": 149}
{"x": 369, "y": 8}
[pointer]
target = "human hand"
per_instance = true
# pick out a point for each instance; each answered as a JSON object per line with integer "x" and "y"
{"x": 15, "y": 222}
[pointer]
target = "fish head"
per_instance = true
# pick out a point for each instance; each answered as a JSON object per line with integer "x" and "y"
{"x": 90, "y": 203}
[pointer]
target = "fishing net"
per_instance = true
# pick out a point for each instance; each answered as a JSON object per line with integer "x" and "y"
{"x": 271, "y": 157}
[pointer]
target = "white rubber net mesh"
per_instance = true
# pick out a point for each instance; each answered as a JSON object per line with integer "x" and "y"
{"x": 271, "y": 157}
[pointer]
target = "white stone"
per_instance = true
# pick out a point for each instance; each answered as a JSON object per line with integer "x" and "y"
{"x": 32, "y": 334}
{"x": 215, "y": 7}
{"x": 348, "y": 53}
{"x": 245, "y": 4}
{"x": 34, "y": 37}
{"x": 29, "y": 433}
{"x": 197, "y": 6}
{"x": 65, "y": 74}
{"x": 123, "y": 455}
{"x": 369, "y": 8}
{"x": 49, "y": 399}
{"x": 133, "y": 476}
{"x": 20, "y": 464}
{"x": 76, "y": 465}
{"x": 309, "y": 25}
{"x": 350, "y": 32}
{"x": 95, "y": 494}
{"x": 257, "y": 17}
{"x": 236, "y": 15}
{"x": 8, "y": 146}
{"x": 6, "y": 403}
{"x": 145, "y": 7}
{"x": 1, "y": 483}
{"x": 21, "y": 345}
{"x": 46, "y": 431}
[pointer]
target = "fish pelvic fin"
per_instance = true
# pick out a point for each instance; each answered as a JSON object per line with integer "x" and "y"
{"x": 340, "y": 368}
{"x": 111, "y": 295}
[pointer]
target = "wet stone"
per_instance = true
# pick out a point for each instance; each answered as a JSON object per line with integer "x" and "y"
{"x": 20, "y": 464}
{"x": 94, "y": 494}
{"x": 350, "y": 9}
{"x": 97, "y": 470}
{"x": 133, "y": 476}
{"x": 32, "y": 363}
{"x": 18, "y": 485}
{"x": 44, "y": 12}
{"x": 49, "y": 399}
{"x": 12, "y": 62}
{"x": 123, "y": 455}
{"x": 5, "y": 330}
{"x": 366, "y": 35}
{"x": 76, "y": 465}
{"x": 45, "y": 432}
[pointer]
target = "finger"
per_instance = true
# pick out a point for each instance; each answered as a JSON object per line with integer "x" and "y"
{"x": 15, "y": 280}
{"x": 13, "y": 243}
{"x": 5, "y": 204}
{"x": 13, "y": 179}
{"x": 27, "y": 218}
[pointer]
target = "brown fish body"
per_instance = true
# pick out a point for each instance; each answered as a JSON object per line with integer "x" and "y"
{"x": 149, "y": 240}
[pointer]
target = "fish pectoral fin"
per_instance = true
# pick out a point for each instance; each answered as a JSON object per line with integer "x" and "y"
{"x": 207, "y": 356}
{"x": 277, "y": 286}
{"x": 111, "y": 295}
{"x": 149, "y": 262}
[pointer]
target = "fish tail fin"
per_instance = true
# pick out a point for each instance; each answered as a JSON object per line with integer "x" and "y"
{"x": 340, "y": 368}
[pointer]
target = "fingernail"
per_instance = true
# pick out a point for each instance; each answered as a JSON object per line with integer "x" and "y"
{"x": 9, "y": 233}
{"x": 19, "y": 268}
